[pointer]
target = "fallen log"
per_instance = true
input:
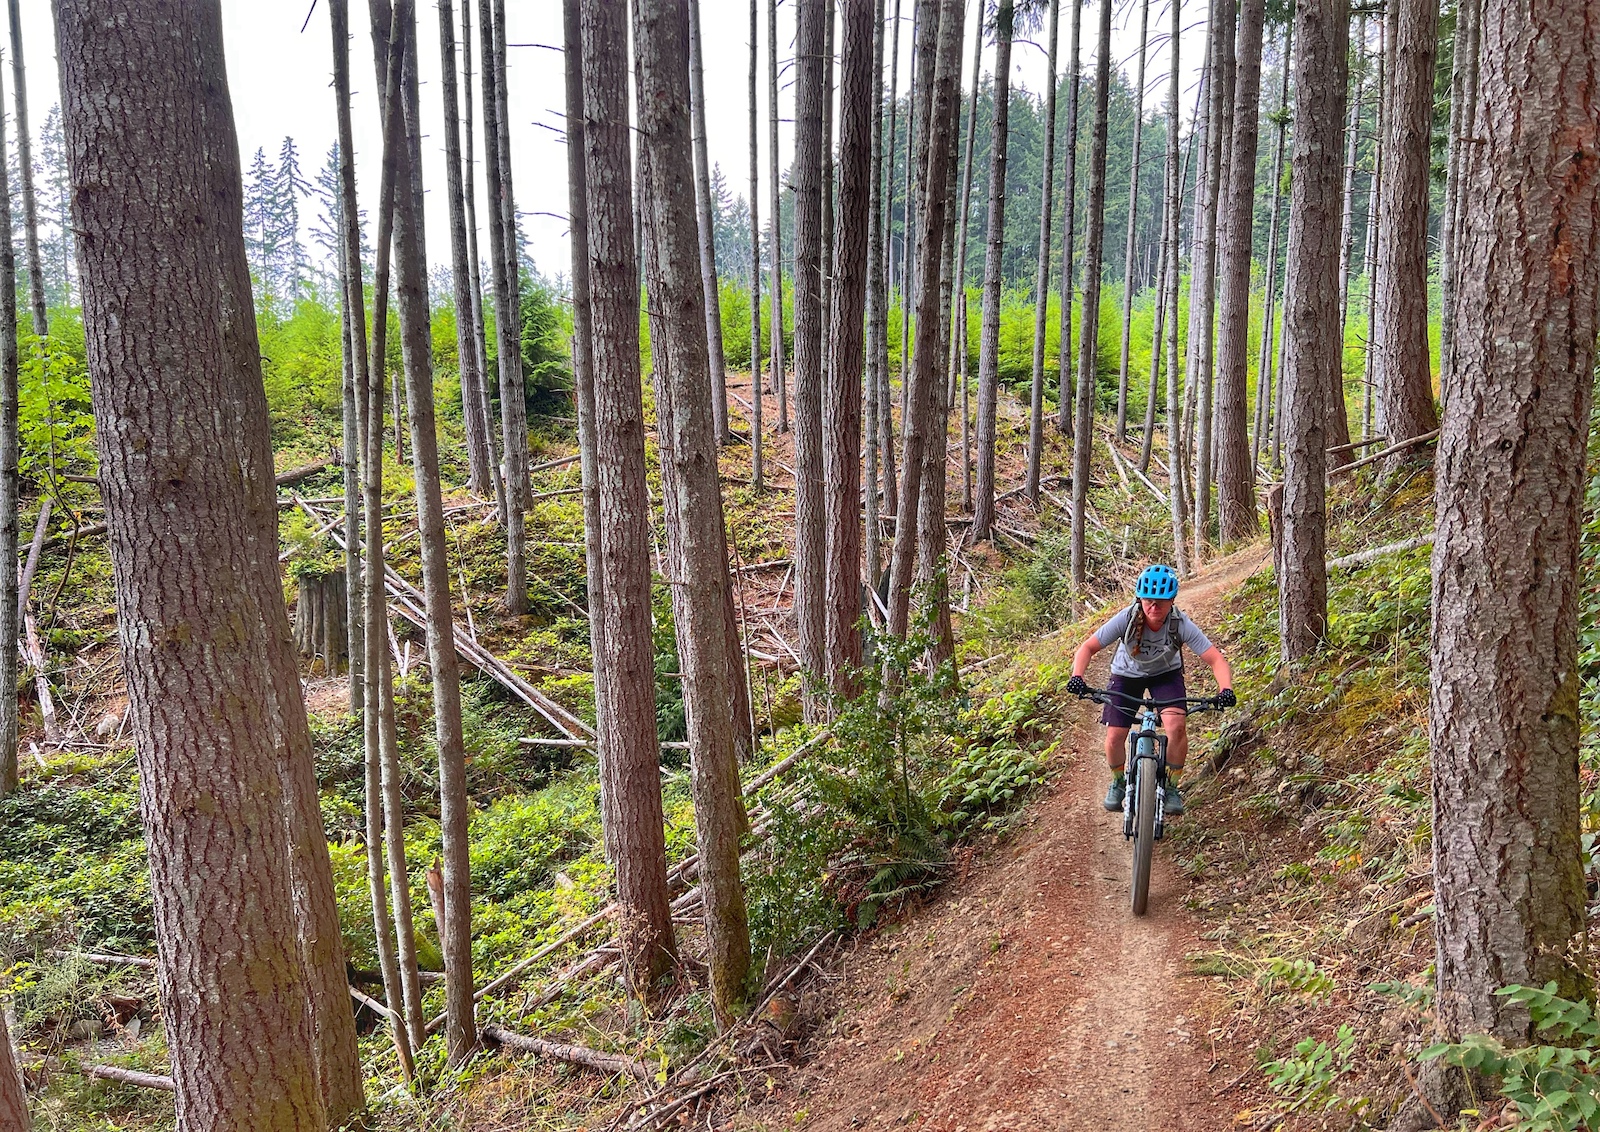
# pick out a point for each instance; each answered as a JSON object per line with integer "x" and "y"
{"x": 296, "y": 475}
{"x": 406, "y": 600}
{"x": 1363, "y": 556}
{"x": 1386, "y": 453}
{"x": 82, "y": 533}
{"x": 106, "y": 958}
{"x": 575, "y": 1055}
{"x": 131, "y": 1077}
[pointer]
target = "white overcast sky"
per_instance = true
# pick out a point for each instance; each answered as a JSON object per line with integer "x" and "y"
{"x": 281, "y": 82}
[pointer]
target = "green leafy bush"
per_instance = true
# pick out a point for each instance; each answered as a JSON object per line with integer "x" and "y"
{"x": 1556, "y": 1088}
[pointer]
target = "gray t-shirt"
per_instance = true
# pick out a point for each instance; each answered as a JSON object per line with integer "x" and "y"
{"x": 1160, "y": 651}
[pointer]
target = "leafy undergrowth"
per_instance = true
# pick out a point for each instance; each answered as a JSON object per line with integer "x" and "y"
{"x": 1308, "y": 848}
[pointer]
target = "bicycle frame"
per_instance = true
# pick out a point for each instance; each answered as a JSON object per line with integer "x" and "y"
{"x": 1147, "y": 743}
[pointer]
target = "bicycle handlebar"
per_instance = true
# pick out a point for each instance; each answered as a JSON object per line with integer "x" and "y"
{"x": 1201, "y": 703}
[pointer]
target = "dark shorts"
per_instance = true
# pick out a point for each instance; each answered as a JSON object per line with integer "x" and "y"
{"x": 1166, "y": 686}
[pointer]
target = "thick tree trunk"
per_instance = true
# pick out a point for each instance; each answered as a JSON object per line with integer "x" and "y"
{"x": 1511, "y": 472}
{"x": 1311, "y": 319}
{"x": 1463, "y": 109}
{"x": 926, "y": 377}
{"x": 182, "y": 504}
{"x": 829, "y": 18}
{"x": 30, "y": 211}
{"x": 370, "y": 699}
{"x": 1041, "y": 283}
{"x": 993, "y": 267}
{"x": 1093, "y": 250}
{"x": 479, "y": 335}
{"x": 707, "y": 229}
{"x": 757, "y": 477}
{"x": 810, "y": 545}
{"x": 842, "y": 403}
{"x": 1128, "y": 287}
{"x": 629, "y": 753}
{"x": 1236, "y": 473}
{"x": 1066, "y": 359}
{"x": 507, "y": 318}
{"x": 780, "y": 379}
{"x": 382, "y": 743}
{"x": 411, "y": 270}
{"x": 1403, "y": 375}
{"x": 691, "y": 487}
{"x": 476, "y": 424}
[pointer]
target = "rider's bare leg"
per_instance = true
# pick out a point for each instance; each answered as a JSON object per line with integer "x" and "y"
{"x": 1176, "y": 724}
{"x": 1117, "y": 747}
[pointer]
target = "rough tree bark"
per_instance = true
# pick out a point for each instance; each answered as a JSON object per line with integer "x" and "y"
{"x": 810, "y": 546}
{"x": 1067, "y": 360}
{"x": 926, "y": 375}
{"x": 185, "y": 532}
{"x": 707, "y": 229}
{"x": 30, "y": 211}
{"x": 411, "y": 285}
{"x": 842, "y": 402}
{"x": 1128, "y": 262}
{"x": 1311, "y": 318}
{"x": 1236, "y": 471}
{"x": 507, "y": 318}
{"x": 479, "y": 457}
{"x": 1041, "y": 283}
{"x": 1404, "y": 379}
{"x": 1511, "y": 473}
{"x": 989, "y": 340}
{"x": 691, "y": 487}
{"x": 629, "y": 753}
{"x": 1093, "y": 249}
{"x": 13, "y": 1100}
{"x": 1352, "y": 142}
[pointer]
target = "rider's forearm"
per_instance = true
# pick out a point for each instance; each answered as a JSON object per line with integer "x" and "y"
{"x": 1081, "y": 658}
{"x": 1222, "y": 672}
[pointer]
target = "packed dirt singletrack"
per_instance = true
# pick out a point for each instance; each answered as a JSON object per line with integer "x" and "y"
{"x": 1028, "y": 996}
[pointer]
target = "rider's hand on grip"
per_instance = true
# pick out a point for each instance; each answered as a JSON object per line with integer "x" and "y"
{"x": 1226, "y": 698}
{"x": 1077, "y": 687}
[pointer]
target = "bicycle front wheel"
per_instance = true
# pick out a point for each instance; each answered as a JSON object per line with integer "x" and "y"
{"x": 1144, "y": 835}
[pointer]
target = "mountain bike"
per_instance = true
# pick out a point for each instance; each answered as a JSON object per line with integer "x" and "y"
{"x": 1143, "y": 806}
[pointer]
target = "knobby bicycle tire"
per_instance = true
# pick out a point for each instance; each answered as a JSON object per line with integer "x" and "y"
{"x": 1144, "y": 836}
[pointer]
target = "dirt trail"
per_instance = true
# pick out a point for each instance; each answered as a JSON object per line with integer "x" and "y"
{"x": 1028, "y": 996}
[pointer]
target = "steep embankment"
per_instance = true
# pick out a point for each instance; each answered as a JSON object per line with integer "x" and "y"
{"x": 1027, "y": 996}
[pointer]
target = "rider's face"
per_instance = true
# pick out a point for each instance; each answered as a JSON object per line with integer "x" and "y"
{"x": 1156, "y": 609}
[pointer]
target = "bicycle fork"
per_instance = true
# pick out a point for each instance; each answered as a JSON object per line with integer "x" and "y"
{"x": 1148, "y": 746}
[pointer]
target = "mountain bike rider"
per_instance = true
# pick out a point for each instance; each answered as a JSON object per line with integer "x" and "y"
{"x": 1150, "y": 636}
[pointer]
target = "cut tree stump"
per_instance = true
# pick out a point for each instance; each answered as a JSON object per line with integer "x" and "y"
{"x": 320, "y": 620}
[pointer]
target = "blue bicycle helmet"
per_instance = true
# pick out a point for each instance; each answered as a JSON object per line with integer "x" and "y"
{"x": 1157, "y": 582}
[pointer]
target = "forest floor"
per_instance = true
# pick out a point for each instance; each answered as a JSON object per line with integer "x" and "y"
{"x": 1027, "y": 996}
